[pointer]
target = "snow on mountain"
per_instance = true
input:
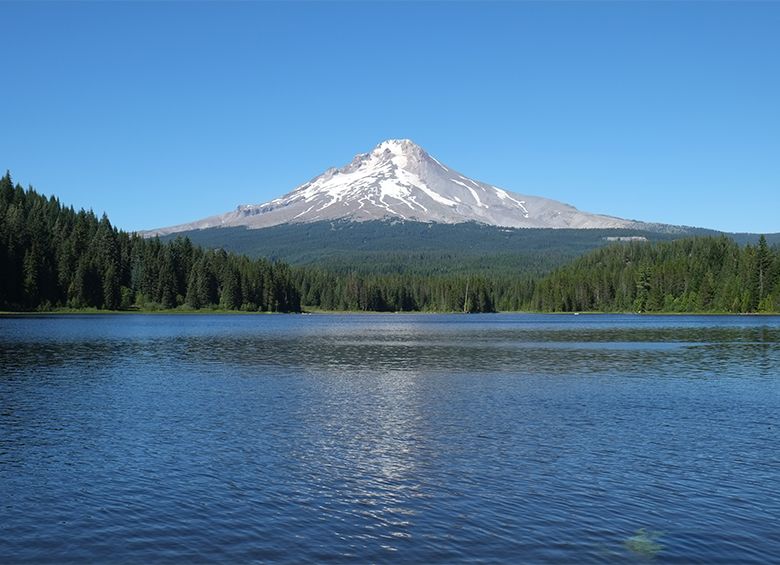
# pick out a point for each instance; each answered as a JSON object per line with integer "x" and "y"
{"x": 399, "y": 180}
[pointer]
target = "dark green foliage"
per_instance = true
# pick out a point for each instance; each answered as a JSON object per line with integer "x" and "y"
{"x": 52, "y": 256}
{"x": 706, "y": 274}
{"x": 385, "y": 247}
{"x": 395, "y": 293}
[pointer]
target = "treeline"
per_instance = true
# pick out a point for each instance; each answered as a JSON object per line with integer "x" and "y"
{"x": 52, "y": 256}
{"x": 707, "y": 274}
{"x": 394, "y": 293}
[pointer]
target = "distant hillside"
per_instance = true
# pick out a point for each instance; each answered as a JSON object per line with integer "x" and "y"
{"x": 426, "y": 248}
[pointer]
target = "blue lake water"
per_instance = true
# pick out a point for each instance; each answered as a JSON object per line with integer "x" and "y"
{"x": 389, "y": 438}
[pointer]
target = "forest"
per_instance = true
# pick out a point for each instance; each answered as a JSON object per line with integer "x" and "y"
{"x": 53, "y": 257}
{"x": 413, "y": 247}
{"x": 703, "y": 274}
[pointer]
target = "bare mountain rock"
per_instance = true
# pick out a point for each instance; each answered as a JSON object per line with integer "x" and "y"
{"x": 398, "y": 179}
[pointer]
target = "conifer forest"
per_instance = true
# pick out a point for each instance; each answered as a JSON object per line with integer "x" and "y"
{"x": 53, "y": 257}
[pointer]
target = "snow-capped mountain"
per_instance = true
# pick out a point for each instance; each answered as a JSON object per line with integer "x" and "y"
{"x": 399, "y": 180}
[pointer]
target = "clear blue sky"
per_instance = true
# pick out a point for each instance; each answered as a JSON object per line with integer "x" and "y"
{"x": 161, "y": 113}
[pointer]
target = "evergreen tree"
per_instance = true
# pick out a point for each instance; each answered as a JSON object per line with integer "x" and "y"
{"x": 231, "y": 289}
{"x": 763, "y": 268}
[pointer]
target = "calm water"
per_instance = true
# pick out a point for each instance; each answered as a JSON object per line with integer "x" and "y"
{"x": 502, "y": 438}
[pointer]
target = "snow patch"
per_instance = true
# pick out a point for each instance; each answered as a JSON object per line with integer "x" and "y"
{"x": 473, "y": 193}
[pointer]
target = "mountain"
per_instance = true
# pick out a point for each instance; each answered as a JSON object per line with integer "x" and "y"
{"x": 399, "y": 180}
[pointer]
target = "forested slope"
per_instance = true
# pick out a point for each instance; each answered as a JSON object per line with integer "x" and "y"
{"x": 416, "y": 248}
{"x": 52, "y": 256}
{"x": 709, "y": 274}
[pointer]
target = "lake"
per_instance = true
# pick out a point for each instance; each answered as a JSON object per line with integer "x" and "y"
{"x": 389, "y": 438}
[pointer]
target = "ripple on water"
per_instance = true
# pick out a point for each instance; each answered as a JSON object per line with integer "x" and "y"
{"x": 389, "y": 438}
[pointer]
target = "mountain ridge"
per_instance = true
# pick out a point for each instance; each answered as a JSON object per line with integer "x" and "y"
{"x": 398, "y": 179}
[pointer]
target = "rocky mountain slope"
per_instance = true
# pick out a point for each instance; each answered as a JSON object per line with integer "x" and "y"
{"x": 400, "y": 180}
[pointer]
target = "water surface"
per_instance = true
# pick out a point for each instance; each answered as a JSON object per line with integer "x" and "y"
{"x": 387, "y": 438}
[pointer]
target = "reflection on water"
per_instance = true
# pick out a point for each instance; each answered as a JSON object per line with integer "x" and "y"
{"x": 385, "y": 438}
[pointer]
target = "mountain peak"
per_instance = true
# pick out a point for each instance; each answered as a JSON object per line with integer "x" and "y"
{"x": 400, "y": 151}
{"x": 397, "y": 146}
{"x": 398, "y": 179}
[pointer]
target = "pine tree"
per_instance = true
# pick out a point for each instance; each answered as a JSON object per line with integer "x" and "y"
{"x": 31, "y": 276}
{"x": 111, "y": 288}
{"x": 763, "y": 268}
{"x": 231, "y": 290}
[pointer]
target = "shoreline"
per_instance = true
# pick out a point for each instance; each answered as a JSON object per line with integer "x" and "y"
{"x": 96, "y": 312}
